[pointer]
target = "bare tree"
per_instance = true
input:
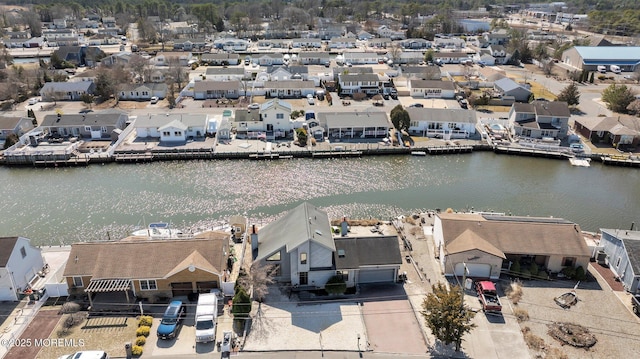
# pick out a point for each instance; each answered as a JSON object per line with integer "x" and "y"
{"x": 139, "y": 65}
{"x": 259, "y": 278}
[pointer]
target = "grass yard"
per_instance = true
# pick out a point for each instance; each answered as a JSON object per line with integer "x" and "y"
{"x": 539, "y": 91}
{"x": 98, "y": 333}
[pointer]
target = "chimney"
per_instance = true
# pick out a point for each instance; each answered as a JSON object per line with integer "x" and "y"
{"x": 633, "y": 224}
{"x": 254, "y": 239}
{"x": 344, "y": 227}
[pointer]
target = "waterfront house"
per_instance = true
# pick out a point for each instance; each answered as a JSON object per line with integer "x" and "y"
{"x": 350, "y": 84}
{"x": 167, "y": 58}
{"x": 415, "y": 44}
{"x": 282, "y": 73}
{"x": 171, "y": 127}
{"x": 355, "y": 125}
{"x": 304, "y": 253}
{"x": 314, "y": 58}
{"x": 143, "y": 92}
{"x": 449, "y": 42}
{"x": 342, "y": 43}
{"x": 66, "y": 91}
{"x": 94, "y": 125}
{"x": 179, "y": 267}
{"x": 540, "y": 119}
{"x": 80, "y": 55}
{"x": 20, "y": 264}
{"x": 271, "y": 121}
{"x": 220, "y": 59}
{"x": 308, "y": 43}
{"x": 486, "y": 244}
{"x": 14, "y": 125}
{"x": 432, "y": 89}
{"x": 623, "y": 255}
{"x": 442, "y": 123}
{"x": 224, "y": 74}
{"x": 450, "y": 57}
{"x": 203, "y": 90}
{"x": 231, "y": 45}
{"x": 620, "y": 131}
{"x": 506, "y": 87}
{"x": 271, "y": 59}
{"x": 289, "y": 88}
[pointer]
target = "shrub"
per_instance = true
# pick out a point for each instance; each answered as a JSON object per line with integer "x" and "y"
{"x": 602, "y": 77}
{"x": 74, "y": 319}
{"x": 514, "y": 291}
{"x": 533, "y": 341}
{"x": 241, "y": 306}
{"x": 534, "y": 269}
{"x": 70, "y": 307}
{"x": 141, "y": 340}
{"x": 580, "y": 274}
{"x": 569, "y": 272}
{"x": 145, "y": 320}
{"x": 515, "y": 268}
{"x": 521, "y": 315}
{"x": 335, "y": 285}
{"x": 525, "y": 274}
{"x": 136, "y": 350}
{"x": 143, "y": 331}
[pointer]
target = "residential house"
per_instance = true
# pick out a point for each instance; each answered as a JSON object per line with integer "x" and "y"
{"x": 365, "y": 36}
{"x": 420, "y": 72}
{"x": 172, "y": 127}
{"x": 314, "y": 58}
{"x": 442, "y": 123}
{"x": 303, "y": 252}
{"x": 499, "y": 37}
{"x": 499, "y": 54}
{"x": 20, "y": 265}
{"x": 328, "y": 30}
{"x": 361, "y": 58}
{"x": 450, "y": 57}
{"x": 385, "y": 31}
{"x": 66, "y": 91}
{"x": 540, "y": 119}
{"x": 408, "y": 57}
{"x": 432, "y": 89}
{"x": 484, "y": 56}
{"x": 157, "y": 76}
{"x": 271, "y": 59}
{"x": 266, "y": 44}
{"x": 590, "y": 57}
{"x": 289, "y": 88}
{"x": 620, "y": 132}
{"x": 354, "y": 125}
{"x": 180, "y": 267}
{"x": 143, "y": 92}
{"x": 350, "y": 84}
{"x": 415, "y": 44}
{"x": 14, "y": 125}
{"x": 379, "y": 42}
{"x": 225, "y": 74}
{"x": 80, "y": 55}
{"x": 217, "y": 89}
{"x": 271, "y": 121}
{"x": 484, "y": 244}
{"x": 623, "y": 255}
{"x": 166, "y": 58}
{"x": 449, "y": 43}
{"x": 61, "y": 37}
{"x": 109, "y": 21}
{"x": 288, "y": 73}
{"x": 506, "y": 87}
{"x": 308, "y": 43}
{"x": 342, "y": 43}
{"x": 220, "y": 59}
{"x": 231, "y": 45}
{"x": 94, "y": 125}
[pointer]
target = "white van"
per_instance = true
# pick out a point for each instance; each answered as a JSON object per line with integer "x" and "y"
{"x": 206, "y": 315}
{"x": 602, "y": 69}
{"x": 615, "y": 69}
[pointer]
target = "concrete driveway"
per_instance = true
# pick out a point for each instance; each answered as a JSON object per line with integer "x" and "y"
{"x": 184, "y": 342}
{"x": 392, "y": 327}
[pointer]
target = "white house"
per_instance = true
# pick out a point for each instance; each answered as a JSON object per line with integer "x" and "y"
{"x": 172, "y": 127}
{"x": 165, "y": 58}
{"x": 271, "y": 59}
{"x": 342, "y": 43}
{"x": 432, "y": 89}
{"x": 20, "y": 263}
{"x": 271, "y": 121}
{"x": 442, "y": 123}
{"x": 361, "y": 58}
{"x": 139, "y": 92}
{"x": 306, "y": 43}
{"x": 367, "y": 83}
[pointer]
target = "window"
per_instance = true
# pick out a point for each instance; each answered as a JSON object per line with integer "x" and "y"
{"x": 87, "y": 128}
{"x": 23, "y": 252}
{"x": 178, "y": 133}
{"x": 279, "y": 116}
{"x": 104, "y": 129}
{"x": 343, "y": 274}
{"x": 568, "y": 261}
{"x": 148, "y": 284}
{"x": 618, "y": 262}
{"x": 166, "y": 133}
{"x": 274, "y": 258}
{"x": 77, "y": 282}
{"x": 303, "y": 258}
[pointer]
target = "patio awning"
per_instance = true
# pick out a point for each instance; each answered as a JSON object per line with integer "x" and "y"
{"x": 108, "y": 285}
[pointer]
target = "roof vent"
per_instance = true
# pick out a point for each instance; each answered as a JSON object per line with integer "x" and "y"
{"x": 318, "y": 232}
{"x": 341, "y": 253}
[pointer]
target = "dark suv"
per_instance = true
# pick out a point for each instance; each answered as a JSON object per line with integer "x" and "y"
{"x": 171, "y": 320}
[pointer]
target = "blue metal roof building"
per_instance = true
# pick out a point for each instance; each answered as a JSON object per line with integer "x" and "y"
{"x": 590, "y": 57}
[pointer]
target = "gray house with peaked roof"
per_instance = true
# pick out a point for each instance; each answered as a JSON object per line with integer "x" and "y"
{"x": 16, "y": 125}
{"x": 59, "y": 91}
{"x": 623, "y": 254}
{"x": 507, "y": 87}
{"x": 540, "y": 119}
{"x": 95, "y": 125}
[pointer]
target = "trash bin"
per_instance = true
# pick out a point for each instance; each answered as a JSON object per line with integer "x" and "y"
{"x": 127, "y": 349}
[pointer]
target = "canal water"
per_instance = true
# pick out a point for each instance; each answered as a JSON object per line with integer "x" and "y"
{"x": 53, "y": 206}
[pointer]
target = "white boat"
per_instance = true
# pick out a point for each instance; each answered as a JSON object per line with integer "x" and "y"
{"x": 418, "y": 153}
{"x": 159, "y": 230}
{"x": 580, "y": 162}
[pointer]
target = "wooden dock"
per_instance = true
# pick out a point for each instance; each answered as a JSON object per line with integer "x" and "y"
{"x": 330, "y": 154}
{"x": 522, "y": 151}
{"x": 133, "y": 157}
{"x": 440, "y": 150}
{"x": 620, "y": 160}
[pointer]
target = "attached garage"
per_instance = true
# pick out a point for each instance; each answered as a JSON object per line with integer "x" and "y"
{"x": 476, "y": 270}
{"x": 181, "y": 288}
{"x": 205, "y": 287}
{"x": 377, "y": 275}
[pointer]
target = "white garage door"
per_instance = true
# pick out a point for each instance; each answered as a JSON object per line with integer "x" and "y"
{"x": 377, "y": 275}
{"x": 475, "y": 270}
{"x": 6, "y": 294}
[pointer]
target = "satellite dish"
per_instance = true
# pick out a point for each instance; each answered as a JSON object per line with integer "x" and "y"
{"x": 192, "y": 268}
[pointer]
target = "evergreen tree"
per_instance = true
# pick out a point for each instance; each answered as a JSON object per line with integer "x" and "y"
{"x": 570, "y": 95}
{"x": 446, "y": 315}
{"x": 400, "y": 118}
{"x": 618, "y": 97}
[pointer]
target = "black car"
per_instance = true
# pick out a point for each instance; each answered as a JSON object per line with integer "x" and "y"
{"x": 417, "y": 105}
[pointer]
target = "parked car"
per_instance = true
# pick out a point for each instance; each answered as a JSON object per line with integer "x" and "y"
{"x": 33, "y": 101}
{"x": 577, "y": 147}
{"x": 254, "y": 106}
{"x": 154, "y": 100}
{"x": 310, "y": 99}
{"x": 86, "y": 354}
{"x": 171, "y": 320}
{"x": 417, "y": 105}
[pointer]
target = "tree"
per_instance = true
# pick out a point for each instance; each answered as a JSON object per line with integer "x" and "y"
{"x": 11, "y": 140}
{"x": 241, "y": 303}
{"x": 570, "y": 95}
{"x": 446, "y": 315}
{"x": 618, "y": 97}
{"x": 32, "y": 115}
{"x": 301, "y": 133}
{"x": 400, "y": 118}
{"x": 258, "y": 279}
{"x": 87, "y": 99}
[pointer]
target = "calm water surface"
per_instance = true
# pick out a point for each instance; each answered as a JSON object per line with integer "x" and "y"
{"x": 65, "y": 205}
